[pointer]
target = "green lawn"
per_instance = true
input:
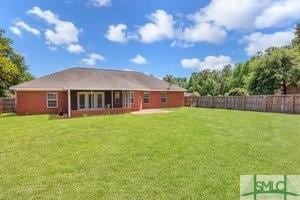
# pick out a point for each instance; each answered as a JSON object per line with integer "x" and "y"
{"x": 191, "y": 153}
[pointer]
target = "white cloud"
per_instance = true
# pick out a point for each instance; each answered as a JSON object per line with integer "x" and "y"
{"x": 23, "y": 26}
{"x": 47, "y": 15}
{"x": 160, "y": 28}
{"x": 211, "y": 23}
{"x": 280, "y": 12}
{"x": 258, "y": 42}
{"x": 15, "y": 30}
{"x": 181, "y": 44}
{"x": 248, "y": 14}
{"x": 116, "y": 33}
{"x": 64, "y": 32}
{"x": 139, "y": 60}
{"x": 232, "y": 14}
{"x": 100, "y": 3}
{"x": 92, "y": 59}
{"x": 209, "y": 62}
{"x": 203, "y": 32}
{"x": 75, "y": 48}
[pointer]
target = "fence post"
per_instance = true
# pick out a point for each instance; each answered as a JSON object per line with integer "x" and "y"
{"x": 293, "y": 104}
{"x": 226, "y": 102}
{"x": 244, "y": 99}
{"x": 0, "y": 105}
{"x": 266, "y": 104}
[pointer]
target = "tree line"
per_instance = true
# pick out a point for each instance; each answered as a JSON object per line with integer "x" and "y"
{"x": 264, "y": 73}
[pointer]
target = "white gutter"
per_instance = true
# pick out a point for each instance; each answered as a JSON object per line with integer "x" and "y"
{"x": 106, "y": 89}
{"x": 37, "y": 89}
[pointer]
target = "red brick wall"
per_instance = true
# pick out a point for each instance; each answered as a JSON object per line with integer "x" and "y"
{"x": 137, "y": 101}
{"x": 174, "y": 99}
{"x": 112, "y": 111}
{"x": 35, "y": 102}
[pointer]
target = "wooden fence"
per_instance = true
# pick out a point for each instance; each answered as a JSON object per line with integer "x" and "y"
{"x": 7, "y": 105}
{"x": 280, "y": 104}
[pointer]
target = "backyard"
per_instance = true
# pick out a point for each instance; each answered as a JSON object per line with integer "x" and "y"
{"x": 190, "y": 153}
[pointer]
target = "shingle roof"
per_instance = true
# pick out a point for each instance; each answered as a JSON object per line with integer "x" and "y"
{"x": 97, "y": 79}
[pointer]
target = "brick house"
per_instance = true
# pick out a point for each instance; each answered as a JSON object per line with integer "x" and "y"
{"x": 87, "y": 91}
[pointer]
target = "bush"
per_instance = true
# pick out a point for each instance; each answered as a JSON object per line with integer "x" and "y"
{"x": 238, "y": 92}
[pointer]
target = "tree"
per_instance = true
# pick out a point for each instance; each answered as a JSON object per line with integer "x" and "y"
{"x": 240, "y": 76}
{"x": 12, "y": 66}
{"x": 211, "y": 82}
{"x": 225, "y": 79}
{"x": 274, "y": 71}
{"x": 237, "y": 92}
{"x": 296, "y": 40}
{"x": 182, "y": 82}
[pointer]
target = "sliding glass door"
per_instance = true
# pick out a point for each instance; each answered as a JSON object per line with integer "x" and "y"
{"x": 90, "y": 100}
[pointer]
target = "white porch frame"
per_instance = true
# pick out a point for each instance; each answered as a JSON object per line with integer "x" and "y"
{"x": 126, "y": 100}
{"x": 86, "y": 100}
{"x": 69, "y": 103}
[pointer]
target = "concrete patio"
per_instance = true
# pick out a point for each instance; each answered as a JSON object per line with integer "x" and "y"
{"x": 150, "y": 111}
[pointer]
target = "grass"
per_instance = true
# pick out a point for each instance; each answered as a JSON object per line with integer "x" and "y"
{"x": 191, "y": 153}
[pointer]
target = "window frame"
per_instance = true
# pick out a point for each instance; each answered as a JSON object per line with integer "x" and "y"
{"x": 56, "y": 99}
{"x": 146, "y": 98}
{"x": 94, "y": 100}
{"x": 161, "y": 97}
{"x": 131, "y": 97}
{"x": 78, "y": 100}
{"x": 117, "y": 97}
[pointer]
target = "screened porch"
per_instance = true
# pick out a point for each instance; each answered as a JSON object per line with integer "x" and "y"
{"x": 88, "y": 100}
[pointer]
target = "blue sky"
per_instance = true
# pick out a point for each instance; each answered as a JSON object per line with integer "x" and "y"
{"x": 156, "y": 37}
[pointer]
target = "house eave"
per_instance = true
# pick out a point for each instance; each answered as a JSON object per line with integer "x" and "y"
{"x": 36, "y": 89}
{"x": 132, "y": 89}
{"x": 104, "y": 89}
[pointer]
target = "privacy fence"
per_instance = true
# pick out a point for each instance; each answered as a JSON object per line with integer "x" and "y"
{"x": 7, "y": 105}
{"x": 280, "y": 104}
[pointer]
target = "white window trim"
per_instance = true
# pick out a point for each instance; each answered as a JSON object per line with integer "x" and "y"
{"x": 148, "y": 97}
{"x": 86, "y": 100}
{"x": 162, "y": 98}
{"x": 115, "y": 99}
{"x": 47, "y": 100}
{"x": 131, "y": 96}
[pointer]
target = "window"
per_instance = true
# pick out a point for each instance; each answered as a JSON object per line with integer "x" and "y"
{"x": 117, "y": 98}
{"x": 52, "y": 100}
{"x": 100, "y": 100}
{"x": 131, "y": 97}
{"x": 90, "y": 100}
{"x": 81, "y": 101}
{"x": 146, "y": 97}
{"x": 163, "y": 97}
